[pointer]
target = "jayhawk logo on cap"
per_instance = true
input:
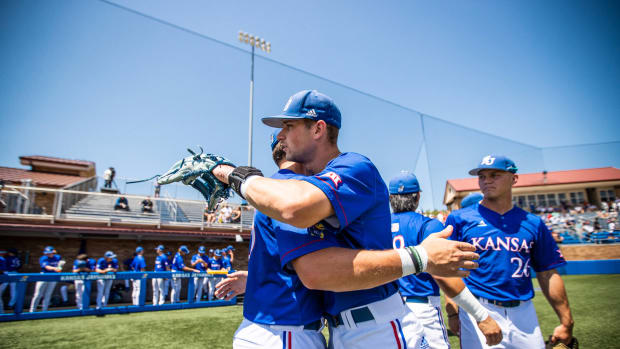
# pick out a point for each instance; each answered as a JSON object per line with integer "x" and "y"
{"x": 401, "y": 187}
{"x": 487, "y": 160}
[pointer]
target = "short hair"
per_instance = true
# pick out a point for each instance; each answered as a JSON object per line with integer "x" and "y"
{"x": 404, "y": 202}
{"x": 332, "y": 131}
{"x": 278, "y": 154}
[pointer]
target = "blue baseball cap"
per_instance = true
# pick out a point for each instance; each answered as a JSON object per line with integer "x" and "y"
{"x": 471, "y": 199}
{"x": 109, "y": 254}
{"x": 184, "y": 249}
{"x": 160, "y": 248}
{"x": 495, "y": 162}
{"x": 218, "y": 253}
{"x": 404, "y": 183}
{"x": 202, "y": 249}
{"x": 139, "y": 249}
{"x": 210, "y": 250}
{"x": 230, "y": 248}
{"x": 307, "y": 104}
{"x": 274, "y": 139}
{"x": 48, "y": 249}
{"x": 169, "y": 253}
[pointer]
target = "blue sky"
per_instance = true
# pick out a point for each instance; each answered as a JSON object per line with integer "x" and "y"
{"x": 90, "y": 80}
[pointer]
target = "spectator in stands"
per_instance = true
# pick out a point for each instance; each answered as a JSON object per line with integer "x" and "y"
{"x": 121, "y": 204}
{"x": 50, "y": 263}
{"x": 82, "y": 264}
{"x": 200, "y": 261}
{"x": 178, "y": 265}
{"x": 108, "y": 176}
{"x": 225, "y": 214}
{"x": 157, "y": 189}
{"x": 236, "y": 215}
{"x": 13, "y": 264}
{"x": 209, "y": 217}
{"x": 147, "y": 205}
{"x": 106, "y": 264}
{"x": 161, "y": 264}
{"x": 137, "y": 265}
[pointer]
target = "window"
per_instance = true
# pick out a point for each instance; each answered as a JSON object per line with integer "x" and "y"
{"x": 607, "y": 195}
{"x": 521, "y": 201}
{"x": 551, "y": 200}
{"x": 580, "y": 197}
{"x": 562, "y": 197}
{"x": 531, "y": 200}
{"x": 573, "y": 198}
{"x": 541, "y": 200}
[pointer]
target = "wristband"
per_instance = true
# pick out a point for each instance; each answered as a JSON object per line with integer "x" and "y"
{"x": 415, "y": 256}
{"x": 406, "y": 261}
{"x": 470, "y": 304}
{"x": 244, "y": 185}
{"x": 423, "y": 257}
{"x": 241, "y": 174}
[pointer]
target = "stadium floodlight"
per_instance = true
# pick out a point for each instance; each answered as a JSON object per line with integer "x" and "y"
{"x": 265, "y": 46}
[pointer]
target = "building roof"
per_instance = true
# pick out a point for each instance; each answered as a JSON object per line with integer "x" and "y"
{"x": 83, "y": 163}
{"x": 16, "y": 175}
{"x": 556, "y": 177}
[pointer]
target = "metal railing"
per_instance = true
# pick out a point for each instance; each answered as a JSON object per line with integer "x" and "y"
{"x": 91, "y": 206}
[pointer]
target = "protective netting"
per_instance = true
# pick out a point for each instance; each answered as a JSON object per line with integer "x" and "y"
{"x": 206, "y": 87}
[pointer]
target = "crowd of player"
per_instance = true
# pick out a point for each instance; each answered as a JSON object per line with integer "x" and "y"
{"x": 203, "y": 261}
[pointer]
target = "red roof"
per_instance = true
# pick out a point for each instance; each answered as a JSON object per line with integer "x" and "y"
{"x": 556, "y": 177}
{"x": 57, "y": 160}
{"x": 15, "y": 175}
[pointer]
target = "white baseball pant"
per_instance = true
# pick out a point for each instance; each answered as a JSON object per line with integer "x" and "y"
{"x": 212, "y": 282}
{"x": 166, "y": 287}
{"x": 64, "y": 293}
{"x": 42, "y": 289}
{"x": 394, "y": 326}
{"x": 251, "y": 335}
{"x": 175, "y": 294}
{"x": 519, "y": 327}
{"x": 159, "y": 294}
{"x": 199, "y": 285}
{"x": 79, "y": 292}
{"x": 135, "y": 293}
{"x": 13, "y": 294}
{"x": 430, "y": 317}
{"x": 103, "y": 292}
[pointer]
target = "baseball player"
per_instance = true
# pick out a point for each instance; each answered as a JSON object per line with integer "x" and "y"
{"x": 421, "y": 292}
{"x": 344, "y": 196}
{"x": 3, "y": 270}
{"x": 200, "y": 261}
{"x": 509, "y": 241}
{"x": 137, "y": 265}
{"x": 278, "y": 311}
{"x": 13, "y": 263}
{"x": 471, "y": 199}
{"x": 226, "y": 262}
{"x": 106, "y": 264}
{"x": 161, "y": 264}
{"x": 82, "y": 264}
{"x": 50, "y": 263}
{"x": 215, "y": 264}
{"x": 167, "y": 282}
{"x": 230, "y": 255}
{"x": 178, "y": 265}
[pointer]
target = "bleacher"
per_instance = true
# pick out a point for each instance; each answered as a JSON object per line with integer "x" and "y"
{"x": 572, "y": 232}
{"x": 99, "y": 206}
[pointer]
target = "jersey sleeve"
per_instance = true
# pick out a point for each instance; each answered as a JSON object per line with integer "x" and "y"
{"x": 44, "y": 262}
{"x": 142, "y": 264}
{"x": 350, "y": 188}
{"x": 294, "y": 242}
{"x": 546, "y": 254}
{"x": 432, "y": 226}
{"x": 456, "y": 229}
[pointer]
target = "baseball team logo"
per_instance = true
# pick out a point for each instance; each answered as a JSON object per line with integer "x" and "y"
{"x": 334, "y": 178}
{"x": 487, "y": 160}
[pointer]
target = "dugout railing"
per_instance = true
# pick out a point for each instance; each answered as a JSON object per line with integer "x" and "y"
{"x": 90, "y": 283}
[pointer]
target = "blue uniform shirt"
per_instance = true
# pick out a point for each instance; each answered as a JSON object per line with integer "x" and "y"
{"x": 82, "y": 264}
{"x": 47, "y": 261}
{"x": 215, "y": 264}
{"x": 200, "y": 266}
{"x": 410, "y": 229}
{"x": 177, "y": 262}
{"x": 226, "y": 263}
{"x": 508, "y": 245}
{"x": 275, "y": 295}
{"x": 138, "y": 263}
{"x": 12, "y": 263}
{"x": 103, "y": 264}
{"x": 161, "y": 263}
{"x": 360, "y": 199}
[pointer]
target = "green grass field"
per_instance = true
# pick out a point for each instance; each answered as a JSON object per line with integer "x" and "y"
{"x": 594, "y": 300}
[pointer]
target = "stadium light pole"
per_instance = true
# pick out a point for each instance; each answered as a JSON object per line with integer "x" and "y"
{"x": 255, "y": 42}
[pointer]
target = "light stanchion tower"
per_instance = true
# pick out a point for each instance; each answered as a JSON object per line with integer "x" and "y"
{"x": 260, "y": 43}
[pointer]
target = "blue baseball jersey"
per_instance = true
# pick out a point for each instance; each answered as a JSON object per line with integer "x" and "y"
{"x": 508, "y": 245}
{"x": 226, "y": 263}
{"x": 47, "y": 261}
{"x": 410, "y": 229}
{"x": 200, "y": 266}
{"x": 360, "y": 200}
{"x": 275, "y": 295}
{"x": 138, "y": 263}
{"x": 103, "y": 264}
{"x": 12, "y": 263}
{"x": 161, "y": 263}
{"x": 177, "y": 262}
{"x": 215, "y": 264}
{"x": 77, "y": 264}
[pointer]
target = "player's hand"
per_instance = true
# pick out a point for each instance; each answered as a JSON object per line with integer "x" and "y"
{"x": 447, "y": 257}
{"x": 232, "y": 286}
{"x": 562, "y": 334}
{"x": 491, "y": 331}
{"x": 454, "y": 324}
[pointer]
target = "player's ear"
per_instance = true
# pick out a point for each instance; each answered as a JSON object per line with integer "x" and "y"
{"x": 515, "y": 178}
{"x": 320, "y": 128}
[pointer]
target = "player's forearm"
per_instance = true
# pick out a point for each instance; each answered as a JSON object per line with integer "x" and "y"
{"x": 451, "y": 287}
{"x": 552, "y": 286}
{"x": 339, "y": 269}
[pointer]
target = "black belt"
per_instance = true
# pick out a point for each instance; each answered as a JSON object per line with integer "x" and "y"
{"x": 416, "y": 299}
{"x": 313, "y": 326}
{"x": 505, "y": 304}
{"x": 359, "y": 315}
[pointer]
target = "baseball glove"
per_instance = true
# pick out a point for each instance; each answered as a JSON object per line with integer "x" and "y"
{"x": 574, "y": 344}
{"x": 196, "y": 170}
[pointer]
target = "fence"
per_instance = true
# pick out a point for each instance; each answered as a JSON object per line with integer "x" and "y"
{"x": 22, "y": 281}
